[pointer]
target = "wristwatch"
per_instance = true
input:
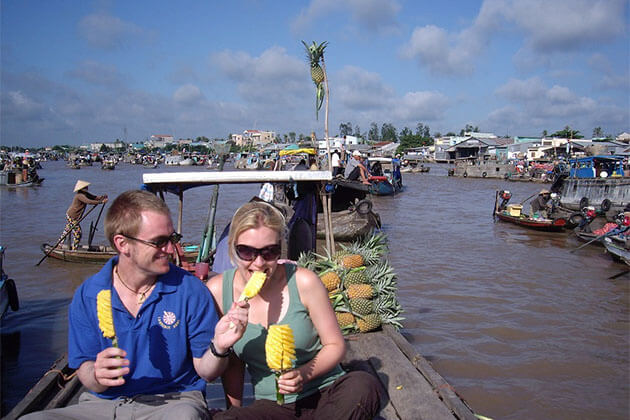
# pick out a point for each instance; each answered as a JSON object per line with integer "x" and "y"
{"x": 217, "y": 354}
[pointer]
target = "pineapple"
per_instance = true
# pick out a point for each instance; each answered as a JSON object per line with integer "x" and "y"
{"x": 361, "y": 306}
{"x": 345, "y": 320}
{"x": 280, "y": 352}
{"x": 253, "y": 286}
{"x": 314, "y": 54}
{"x": 352, "y": 261}
{"x": 104, "y": 315}
{"x": 355, "y": 276}
{"x": 368, "y": 322}
{"x": 365, "y": 291}
{"x": 331, "y": 280}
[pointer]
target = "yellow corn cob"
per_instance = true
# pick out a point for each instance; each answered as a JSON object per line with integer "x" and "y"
{"x": 279, "y": 352}
{"x": 253, "y": 286}
{"x": 104, "y": 314}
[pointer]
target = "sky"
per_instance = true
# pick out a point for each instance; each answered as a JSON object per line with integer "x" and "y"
{"x": 79, "y": 71}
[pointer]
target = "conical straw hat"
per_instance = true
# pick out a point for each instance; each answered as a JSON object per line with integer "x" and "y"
{"x": 80, "y": 185}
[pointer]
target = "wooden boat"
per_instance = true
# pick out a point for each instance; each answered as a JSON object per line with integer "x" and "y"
{"x": 548, "y": 225}
{"x": 617, "y": 251}
{"x": 8, "y": 291}
{"x": 410, "y": 386}
{"x": 512, "y": 213}
{"x": 98, "y": 254}
{"x": 11, "y": 179}
{"x": 108, "y": 165}
{"x": 349, "y": 224}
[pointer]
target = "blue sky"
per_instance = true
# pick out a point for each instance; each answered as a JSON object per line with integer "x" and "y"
{"x": 76, "y": 71}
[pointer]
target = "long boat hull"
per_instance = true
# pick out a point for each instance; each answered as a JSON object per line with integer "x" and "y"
{"x": 556, "y": 225}
{"x": 349, "y": 225}
{"x": 617, "y": 251}
{"x": 98, "y": 254}
{"x": 576, "y": 193}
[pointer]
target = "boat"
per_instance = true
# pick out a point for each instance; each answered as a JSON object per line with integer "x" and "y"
{"x": 405, "y": 378}
{"x": 598, "y": 181}
{"x": 18, "y": 179}
{"x": 350, "y": 224}
{"x": 98, "y": 254}
{"x": 8, "y": 290}
{"x": 617, "y": 251}
{"x": 109, "y": 165}
{"x": 512, "y": 213}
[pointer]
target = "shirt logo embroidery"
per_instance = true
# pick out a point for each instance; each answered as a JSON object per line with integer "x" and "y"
{"x": 168, "y": 320}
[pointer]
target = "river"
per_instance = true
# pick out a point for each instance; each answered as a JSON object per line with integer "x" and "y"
{"x": 518, "y": 325}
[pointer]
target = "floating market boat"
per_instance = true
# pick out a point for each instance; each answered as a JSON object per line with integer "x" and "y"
{"x": 406, "y": 379}
{"x": 8, "y": 290}
{"x": 617, "y": 251}
{"x": 98, "y": 254}
{"x": 513, "y": 213}
{"x": 19, "y": 179}
{"x": 597, "y": 181}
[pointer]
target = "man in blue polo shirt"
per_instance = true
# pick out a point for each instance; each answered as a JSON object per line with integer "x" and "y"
{"x": 169, "y": 338}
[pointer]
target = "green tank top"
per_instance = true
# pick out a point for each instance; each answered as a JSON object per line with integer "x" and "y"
{"x": 251, "y": 347}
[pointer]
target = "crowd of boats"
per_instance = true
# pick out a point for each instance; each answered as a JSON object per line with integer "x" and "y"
{"x": 590, "y": 197}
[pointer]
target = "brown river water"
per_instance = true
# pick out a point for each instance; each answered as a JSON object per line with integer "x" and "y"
{"x": 519, "y": 326}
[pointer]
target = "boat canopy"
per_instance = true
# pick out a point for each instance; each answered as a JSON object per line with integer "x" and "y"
{"x": 177, "y": 182}
{"x": 287, "y": 151}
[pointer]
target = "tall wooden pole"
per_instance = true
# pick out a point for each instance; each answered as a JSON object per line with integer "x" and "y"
{"x": 327, "y": 203}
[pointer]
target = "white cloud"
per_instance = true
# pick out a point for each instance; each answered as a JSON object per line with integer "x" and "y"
{"x": 273, "y": 77}
{"x": 548, "y": 27}
{"x": 421, "y": 106}
{"x": 188, "y": 94}
{"x": 371, "y": 15}
{"x": 97, "y": 73}
{"x": 107, "y": 32}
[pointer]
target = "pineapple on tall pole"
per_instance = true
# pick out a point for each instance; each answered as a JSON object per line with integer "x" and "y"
{"x": 315, "y": 55}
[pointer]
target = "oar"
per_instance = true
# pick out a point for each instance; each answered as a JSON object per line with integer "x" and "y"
{"x": 533, "y": 195}
{"x": 612, "y": 232}
{"x": 619, "y": 274}
{"x": 93, "y": 229}
{"x": 66, "y": 234}
{"x": 494, "y": 211}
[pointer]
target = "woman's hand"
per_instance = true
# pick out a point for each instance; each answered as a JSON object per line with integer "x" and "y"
{"x": 110, "y": 366}
{"x": 231, "y": 326}
{"x": 291, "y": 382}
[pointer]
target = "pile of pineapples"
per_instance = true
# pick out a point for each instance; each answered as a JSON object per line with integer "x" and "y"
{"x": 361, "y": 284}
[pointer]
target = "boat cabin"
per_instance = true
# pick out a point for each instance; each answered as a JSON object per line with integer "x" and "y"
{"x": 596, "y": 167}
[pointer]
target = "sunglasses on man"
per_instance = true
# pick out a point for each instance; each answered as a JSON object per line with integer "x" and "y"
{"x": 268, "y": 253}
{"x": 160, "y": 242}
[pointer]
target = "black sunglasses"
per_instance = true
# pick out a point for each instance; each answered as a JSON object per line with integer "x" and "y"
{"x": 248, "y": 253}
{"x": 160, "y": 242}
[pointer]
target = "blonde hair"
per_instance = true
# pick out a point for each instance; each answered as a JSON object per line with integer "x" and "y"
{"x": 124, "y": 216}
{"x": 251, "y": 216}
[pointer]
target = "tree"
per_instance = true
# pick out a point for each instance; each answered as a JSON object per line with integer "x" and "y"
{"x": 544, "y": 133}
{"x": 568, "y": 133}
{"x": 357, "y": 131}
{"x": 469, "y": 128}
{"x": 388, "y": 132}
{"x": 345, "y": 129}
{"x": 373, "y": 134}
{"x": 598, "y": 132}
{"x": 292, "y": 136}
